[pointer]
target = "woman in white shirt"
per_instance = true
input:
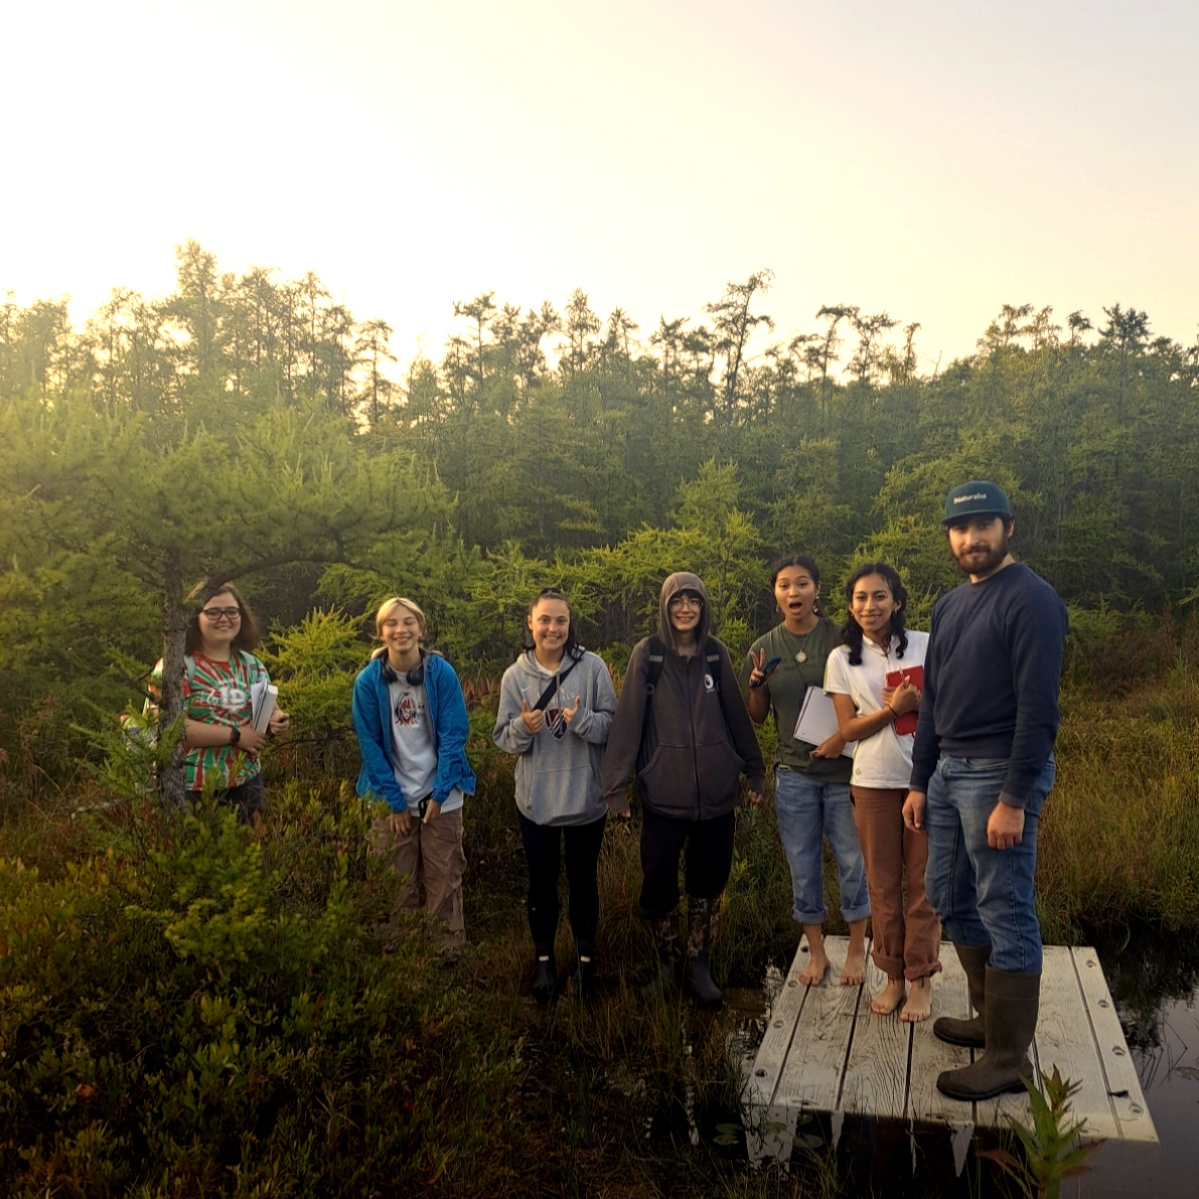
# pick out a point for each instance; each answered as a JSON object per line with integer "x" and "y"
{"x": 874, "y": 679}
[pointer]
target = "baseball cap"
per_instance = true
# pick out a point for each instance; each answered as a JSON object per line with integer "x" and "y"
{"x": 976, "y": 498}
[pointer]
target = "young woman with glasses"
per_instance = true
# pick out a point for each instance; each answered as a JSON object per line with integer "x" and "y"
{"x": 410, "y": 718}
{"x": 682, "y": 724}
{"x": 556, "y": 706}
{"x": 220, "y": 672}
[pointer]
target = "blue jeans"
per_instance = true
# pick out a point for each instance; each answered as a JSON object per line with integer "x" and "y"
{"x": 807, "y": 811}
{"x": 983, "y": 895}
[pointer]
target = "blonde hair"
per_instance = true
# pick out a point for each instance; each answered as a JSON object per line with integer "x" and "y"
{"x": 385, "y": 610}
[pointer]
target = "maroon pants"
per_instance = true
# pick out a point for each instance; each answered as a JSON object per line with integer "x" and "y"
{"x": 905, "y": 945}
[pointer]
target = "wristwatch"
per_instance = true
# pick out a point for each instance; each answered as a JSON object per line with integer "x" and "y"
{"x": 234, "y": 735}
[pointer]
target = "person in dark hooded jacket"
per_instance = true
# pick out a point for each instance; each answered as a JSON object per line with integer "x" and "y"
{"x": 681, "y": 723}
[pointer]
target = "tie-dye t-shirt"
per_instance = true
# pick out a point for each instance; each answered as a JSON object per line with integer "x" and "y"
{"x": 216, "y": 692}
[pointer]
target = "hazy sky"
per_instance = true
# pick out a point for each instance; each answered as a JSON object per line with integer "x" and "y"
{"x": 934, "y": 159}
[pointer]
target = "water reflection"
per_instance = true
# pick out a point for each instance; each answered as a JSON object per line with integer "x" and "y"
{"x": 1155, "y": 982}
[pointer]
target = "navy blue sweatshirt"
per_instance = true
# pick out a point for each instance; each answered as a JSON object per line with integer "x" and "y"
{"x": 991, "y": 678}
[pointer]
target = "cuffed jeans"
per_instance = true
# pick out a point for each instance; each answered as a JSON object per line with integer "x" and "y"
{"x": 807, "y": 811}
{"x": 983, "y": 895}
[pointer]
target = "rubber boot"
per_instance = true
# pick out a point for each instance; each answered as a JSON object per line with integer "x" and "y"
{"x": 971, "y": 1033}
{"x": 545, "y": 974}
{"x": 701, "y": 936}
{"x": 1013, "y": 1001}
{"x": 582, "y": 981}
{"x": 664, "y": 932}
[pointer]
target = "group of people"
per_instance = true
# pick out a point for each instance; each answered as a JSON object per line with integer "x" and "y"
{"x": 927, "y": 782}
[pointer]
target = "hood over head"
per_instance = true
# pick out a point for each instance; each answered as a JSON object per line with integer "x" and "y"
{"x": 683, "y": 580}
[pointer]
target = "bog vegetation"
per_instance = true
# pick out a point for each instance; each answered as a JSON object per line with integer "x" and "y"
{"x": 188, "y": 1008}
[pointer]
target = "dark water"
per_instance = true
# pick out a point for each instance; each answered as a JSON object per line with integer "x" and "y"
{"x": 1155, "y": 983}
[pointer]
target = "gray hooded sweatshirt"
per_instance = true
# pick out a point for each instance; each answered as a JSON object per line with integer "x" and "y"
{"x": 693, "y": 739}
{"x": 558, "y": 770}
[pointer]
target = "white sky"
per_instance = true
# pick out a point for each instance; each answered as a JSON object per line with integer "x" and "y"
{"x": 934, "y": 159}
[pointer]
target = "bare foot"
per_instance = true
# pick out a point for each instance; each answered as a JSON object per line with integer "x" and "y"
{"x": 812, "y": 975}
{"x": 889, "y": 998}
{"x": 919, "y": 1005}
{"x": 854, "y": 974}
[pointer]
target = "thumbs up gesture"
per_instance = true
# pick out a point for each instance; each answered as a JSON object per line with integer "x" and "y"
{"x": 568, "y": 714}
{"x": 534, "y": 721}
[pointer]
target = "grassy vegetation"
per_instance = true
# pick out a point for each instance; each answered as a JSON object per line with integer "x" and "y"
{"x": 191, "y": 1008}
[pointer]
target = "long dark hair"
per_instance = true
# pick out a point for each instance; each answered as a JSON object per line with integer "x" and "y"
{"x": 247, "y": 634}
{"x": 805, "y": 563}
{"x": 851, "y": 631}
{"x": 572, "y": 648}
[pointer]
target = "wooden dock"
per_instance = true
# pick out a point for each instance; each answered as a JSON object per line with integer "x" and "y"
{"x": 825, "y": 1051}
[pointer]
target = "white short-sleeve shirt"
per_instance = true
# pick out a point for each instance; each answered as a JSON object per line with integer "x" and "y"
{"x": 885, "y": 759}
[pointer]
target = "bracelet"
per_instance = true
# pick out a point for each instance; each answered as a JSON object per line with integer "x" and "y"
{"x": 894, "y": 714}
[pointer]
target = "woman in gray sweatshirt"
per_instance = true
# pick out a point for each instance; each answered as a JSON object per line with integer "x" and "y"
{"x": 556, "y": 705}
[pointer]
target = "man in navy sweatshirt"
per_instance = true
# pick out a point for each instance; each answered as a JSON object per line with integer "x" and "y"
{"x": 981, "y": 769}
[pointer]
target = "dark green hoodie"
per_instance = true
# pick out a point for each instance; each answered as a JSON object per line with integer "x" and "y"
{"x": 693, "y": 739}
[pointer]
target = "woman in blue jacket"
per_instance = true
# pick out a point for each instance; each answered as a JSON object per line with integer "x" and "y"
{"x": 411, "y": 722}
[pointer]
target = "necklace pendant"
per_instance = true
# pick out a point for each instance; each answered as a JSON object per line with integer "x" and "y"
{"x": 801, "y": 657}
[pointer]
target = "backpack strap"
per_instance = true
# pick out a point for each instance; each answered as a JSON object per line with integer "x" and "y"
{"x": 712, "y": 654}
{"x": 657, "y": 654}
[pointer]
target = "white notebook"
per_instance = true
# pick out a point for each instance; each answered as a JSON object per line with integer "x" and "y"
{"x": 818, "y": 721}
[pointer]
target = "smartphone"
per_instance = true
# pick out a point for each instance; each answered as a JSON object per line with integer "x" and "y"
{"x": 767, "y": 671}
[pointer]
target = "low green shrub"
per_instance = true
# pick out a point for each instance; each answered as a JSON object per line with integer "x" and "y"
{"x": 206, "y": 1008}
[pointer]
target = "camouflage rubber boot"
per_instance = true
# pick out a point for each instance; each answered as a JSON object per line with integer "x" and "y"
{"x": 664, "y": 932}
{"x": 702, "y": 920}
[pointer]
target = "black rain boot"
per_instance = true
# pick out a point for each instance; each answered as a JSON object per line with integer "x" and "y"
{"x": 582, "y": 981}
{"x": 1013, "y": 1002}
{"x": 664, "y": 932}
{"x": 972, "y": 1032}
{"x": 545, "y": 973}
{"x": 702, "y": 921}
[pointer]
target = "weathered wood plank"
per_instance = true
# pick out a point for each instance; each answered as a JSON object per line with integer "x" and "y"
{"x": 1119, "y": 1069}
{"x": 876, "y": 1068}
{"x": 1064, "y": 1039}
{"x": 951, "y": 997}
{"x": 771, "y": 1125}
{"x": 812, "y": 1074}
{"x": 780, "y": 1030}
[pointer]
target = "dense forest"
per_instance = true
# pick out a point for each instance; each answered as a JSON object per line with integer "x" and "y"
{"x": 248, "y": 427}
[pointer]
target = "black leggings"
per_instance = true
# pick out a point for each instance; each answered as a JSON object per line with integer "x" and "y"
{"x": 709, "y": 859}
{"x": 542, "y": 848}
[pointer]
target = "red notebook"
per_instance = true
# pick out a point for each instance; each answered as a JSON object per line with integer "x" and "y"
{"x": 906, "y": 721}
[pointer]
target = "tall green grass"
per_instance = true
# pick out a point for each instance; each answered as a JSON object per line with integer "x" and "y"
{"x": 1119, "y": 836}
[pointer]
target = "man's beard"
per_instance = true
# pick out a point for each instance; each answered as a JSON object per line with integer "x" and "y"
{"x": 985, "y": 565}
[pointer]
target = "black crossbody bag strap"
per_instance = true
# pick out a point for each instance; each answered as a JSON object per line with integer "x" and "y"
{"x": 555, "y": 683}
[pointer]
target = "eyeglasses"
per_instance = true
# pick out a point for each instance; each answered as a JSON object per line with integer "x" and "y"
{"x": 215, "y": 614}
{"x": 684, "y": 601}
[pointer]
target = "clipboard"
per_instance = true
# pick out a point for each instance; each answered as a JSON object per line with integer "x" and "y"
{"x": 818, "y": 721}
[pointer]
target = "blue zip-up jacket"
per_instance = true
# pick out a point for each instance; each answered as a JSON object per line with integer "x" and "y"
{"x": 448, "y": 725}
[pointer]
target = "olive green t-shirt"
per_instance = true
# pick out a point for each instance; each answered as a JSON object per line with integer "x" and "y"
{"x": 802, "y": 666}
